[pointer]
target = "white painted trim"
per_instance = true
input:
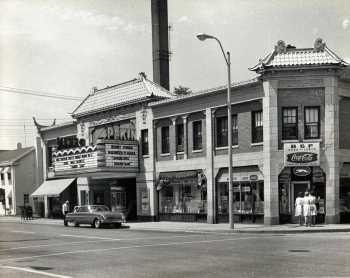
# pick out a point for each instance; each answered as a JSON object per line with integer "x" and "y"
{"x": 225, "y": 148}
{"x": 290, "y": 141}
{"x": 257, "y": 144}
{"x": 197, "y": 151}
{"x": 164, "y": 154}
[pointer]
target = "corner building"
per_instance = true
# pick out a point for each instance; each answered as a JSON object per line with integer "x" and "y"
{"x": 290, "y": 133}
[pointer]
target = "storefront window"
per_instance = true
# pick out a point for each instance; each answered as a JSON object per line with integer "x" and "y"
{"x": 183, "y": 195}
{"x": 248, "y": 197}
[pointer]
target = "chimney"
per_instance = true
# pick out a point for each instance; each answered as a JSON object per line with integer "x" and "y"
{"x": 160, "y": 42}
{"x": 19, "y": 146}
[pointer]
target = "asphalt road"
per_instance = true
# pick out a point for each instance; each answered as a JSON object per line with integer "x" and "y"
{"x": 29, "y": 250}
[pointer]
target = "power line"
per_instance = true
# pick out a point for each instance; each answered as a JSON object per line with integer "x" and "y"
{"x": 37, "y": 93}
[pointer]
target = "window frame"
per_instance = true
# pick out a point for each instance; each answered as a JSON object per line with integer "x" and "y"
{"x": 284, "y": 125}
{"x": 256, "y": 129}
{"x": 234, "y": 134}
{"x": 180, "y": 137}
{"x": 318, "y": 122}
{"x": 197, "y": 141}
{"x": 144, "y": 143}
{"x": 165, "y": 141}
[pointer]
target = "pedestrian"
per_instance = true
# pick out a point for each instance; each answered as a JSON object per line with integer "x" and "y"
{"x": 313, "y": 208}
{"x": 65, "y": 208}
{"x": 306, "y": 208}
{"x": 299, "y": 207}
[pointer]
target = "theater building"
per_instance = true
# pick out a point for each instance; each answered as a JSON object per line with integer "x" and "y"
{"x": 290, "y": 133}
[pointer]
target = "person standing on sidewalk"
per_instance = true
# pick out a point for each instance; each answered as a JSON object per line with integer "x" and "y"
{"x": 306, "y": 208}
{"x": 299, "y": 207}
{"x": 65, "y": 208}
{"x": 313, "y": 208}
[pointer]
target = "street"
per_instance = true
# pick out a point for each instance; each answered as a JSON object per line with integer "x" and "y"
{"x": 29, "y": 250}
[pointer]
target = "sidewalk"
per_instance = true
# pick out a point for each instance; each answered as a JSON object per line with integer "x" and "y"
{"x": 202, "y": 227}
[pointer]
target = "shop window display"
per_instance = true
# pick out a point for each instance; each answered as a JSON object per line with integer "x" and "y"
{"x": 248, "y": 198}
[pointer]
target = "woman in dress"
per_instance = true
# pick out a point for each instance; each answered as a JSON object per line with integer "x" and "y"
{"x": 299, "y": 207}
{"x": 306, "y": 208}
{"x": 313, "y": 208}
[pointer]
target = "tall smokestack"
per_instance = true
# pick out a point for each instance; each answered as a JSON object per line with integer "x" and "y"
{"x": 160, "y": 42}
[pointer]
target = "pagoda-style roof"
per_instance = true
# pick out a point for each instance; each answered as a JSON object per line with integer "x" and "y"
{"x": 134, "y": 91}
{"x": 288, "y": 56}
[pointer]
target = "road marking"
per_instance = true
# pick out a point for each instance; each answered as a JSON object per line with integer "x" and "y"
{"x": 22, "y": 232}
{"x": 90, "y": 241}
{"x": 91, "y": 237}
{"x": 36, "y": 271}
{"x": 134, "y": 246}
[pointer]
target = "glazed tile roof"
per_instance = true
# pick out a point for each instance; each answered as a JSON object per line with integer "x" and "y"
{"x": 122, "y": 94}
{"x": 9, "y": 157}
{"x": 289, "y": 56}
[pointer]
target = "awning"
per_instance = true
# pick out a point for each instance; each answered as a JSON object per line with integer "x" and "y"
{"x": 52, "y": 188}
{"x": 180, "y": 177}
{"x": 240, "y": 175}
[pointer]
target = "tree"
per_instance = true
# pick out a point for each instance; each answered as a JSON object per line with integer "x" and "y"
{"x": 182, "y": 91}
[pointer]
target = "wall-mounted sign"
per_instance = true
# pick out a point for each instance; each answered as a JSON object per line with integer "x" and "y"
{"x": 302, "y": 171}
{"x": 122, "y": 155}
{"x": 106, "y": 153}
{"x": 302, "y": 154}
{"x": 77, "y": 158}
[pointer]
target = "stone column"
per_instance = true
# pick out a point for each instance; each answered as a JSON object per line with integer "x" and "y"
{"x": 46, "y": 206}
{"x": 211, "y": 204}
{"x": 172, "y": 137}
{"x": 270, "y": 125}
{"x": 184, "y": 121}
{"x": 331, "y": 145}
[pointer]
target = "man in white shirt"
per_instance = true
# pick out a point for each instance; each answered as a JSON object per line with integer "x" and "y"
{"x": 65, "y": 208}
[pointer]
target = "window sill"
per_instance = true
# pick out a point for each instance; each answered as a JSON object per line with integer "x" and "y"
{"x": 197, "y": 151}
{"x": 180, "y": 152}
{"x": 165, "y": 154}
{"x": 145, "y": 155}
{"x": 257, "y": 144}
{"x": 225, "y": 148}
{"x": 290, "y": 141}
{"x": 318, "y": 140}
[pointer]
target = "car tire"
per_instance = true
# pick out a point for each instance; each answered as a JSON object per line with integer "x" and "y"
{"x": 97, "y": 223}
{"x": 117, "y": 225}
{"x": 76, "y": 224}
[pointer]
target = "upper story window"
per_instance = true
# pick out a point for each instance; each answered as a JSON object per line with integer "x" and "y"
{"x": 197, "y": 135}
{"x": 222, "y": 131}
{"x": 2, "y": 177}
{"x": 257, "y": 127}
{"x": 179, "y": 137}
{"x": 9, "y": 177}
{"x": 312, "y": 122}
{"x": 144, "y": 142}
{"x": 289, "y": 123}
{"x": 165, "y": 139}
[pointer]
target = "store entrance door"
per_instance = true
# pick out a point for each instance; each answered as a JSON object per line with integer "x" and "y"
{"x": 298, "y": 186}
{"x": 118, "y": 199}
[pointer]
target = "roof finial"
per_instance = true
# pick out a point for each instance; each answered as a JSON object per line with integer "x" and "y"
{"x": 319, "y": 45}
{"x": 280, "y": 47}
{"x": 142, "y": 75}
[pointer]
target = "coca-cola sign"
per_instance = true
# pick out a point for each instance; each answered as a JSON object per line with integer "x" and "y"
{"x": 302, "y": 157}
{"x": 302, "y": 154}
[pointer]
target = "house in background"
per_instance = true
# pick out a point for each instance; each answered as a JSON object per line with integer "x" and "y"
{"x": 17, "y": 179}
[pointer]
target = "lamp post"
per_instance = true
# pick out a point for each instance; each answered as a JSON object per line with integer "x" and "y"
{"x": 203, "y": 37}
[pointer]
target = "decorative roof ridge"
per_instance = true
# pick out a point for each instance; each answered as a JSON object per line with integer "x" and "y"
{"x": 207, "y": 91}
{"x": 335, "y": 56}
{"x": 72, "y": 122}
{"x": 107, "y": 88}
{"x": 146, "y": 83}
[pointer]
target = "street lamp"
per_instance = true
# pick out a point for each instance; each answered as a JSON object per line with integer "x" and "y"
{"x": 203, "y": 37}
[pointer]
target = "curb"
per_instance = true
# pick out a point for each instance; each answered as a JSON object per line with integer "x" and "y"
{"x": 155, "y": 229}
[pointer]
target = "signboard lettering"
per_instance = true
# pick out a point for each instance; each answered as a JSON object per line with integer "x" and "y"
{"x": 302, "y": 154}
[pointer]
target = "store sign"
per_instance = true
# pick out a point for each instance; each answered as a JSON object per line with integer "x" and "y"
{"x": 77, "y": 158}
{"x": 302, "y": 171}
{"x": 302, "y": 154}
{"x": 121, "y": 155}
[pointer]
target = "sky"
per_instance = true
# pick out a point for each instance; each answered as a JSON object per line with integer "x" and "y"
{"x": 66, "y": 47}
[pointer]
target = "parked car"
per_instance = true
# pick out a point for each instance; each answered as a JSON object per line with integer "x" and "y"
{"x": 95, "y": 215}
